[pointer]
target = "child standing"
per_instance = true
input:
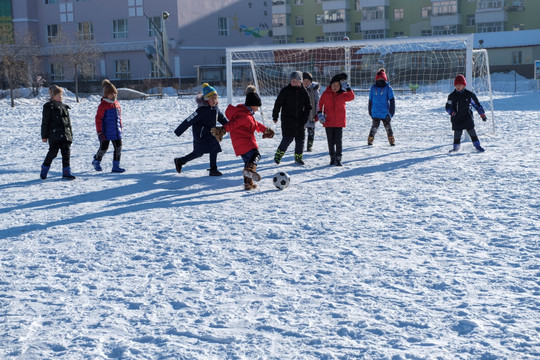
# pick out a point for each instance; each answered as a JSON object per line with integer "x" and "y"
{"x": 459, "y": 107}
{"x": 109, "y": 127}
{"x": 381, "y": 107}
{"x": 202, "y": 121}
{"x": 295, "y": 106}
{"x": 56, "y": 129}
{"x": 313, "y": 93}
{"x": 332, "y": 114}
{"x": 242, "y": 127}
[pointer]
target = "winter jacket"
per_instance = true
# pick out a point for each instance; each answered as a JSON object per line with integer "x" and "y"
{"x": 242, "y": 126}
{"x": 381, "y": 102}
{"x": 295, "y": 107}
{"x": 459, "y": 107}
{"x": 313, "y": 92}
{"x": 332, "y": 104}
{"x": 109, "y": 119}
{"x": 201, "y": 122}
{"x": 55, "y": 123}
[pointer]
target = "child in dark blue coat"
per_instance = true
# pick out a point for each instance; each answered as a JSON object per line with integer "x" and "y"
{"x": 381, "y": 107}
{"x": 202, "y": 121}
{"x": 459, "y": 107}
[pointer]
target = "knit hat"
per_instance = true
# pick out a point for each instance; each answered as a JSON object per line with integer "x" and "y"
{"x": 460, "y": 79}
{"x": 208, "y": 91}
{"x": 381, "y": 75}
{"x": 308, "y": 76}
{"x": 338, "y": 78}
{"x": 252, "y": 98}
{"x": 296, "y": 75}
{"x": 108, "y": 88}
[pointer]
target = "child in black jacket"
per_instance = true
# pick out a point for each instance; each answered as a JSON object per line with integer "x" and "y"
{"x": 459, "y": 107}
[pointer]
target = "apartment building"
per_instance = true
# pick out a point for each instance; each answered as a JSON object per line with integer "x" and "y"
{"x": 128, "y": 33}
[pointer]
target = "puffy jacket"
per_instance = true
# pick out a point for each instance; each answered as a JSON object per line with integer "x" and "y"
{"x": 332, "y": 104}
{"x": 201, "y": 122}
{"x": 381, "y": 102}
{"x": 459, "y": 104}
{"x": 242, "y": 126}
{"x": 295, "y": 106}
{"x": 109, "y": 119}
{"x": 55, "y": 122}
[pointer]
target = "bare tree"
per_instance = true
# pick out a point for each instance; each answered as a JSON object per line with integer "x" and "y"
{"x": 17, "y": 58}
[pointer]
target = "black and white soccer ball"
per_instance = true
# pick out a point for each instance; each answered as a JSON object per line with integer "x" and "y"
{"x": 281, "y": 180}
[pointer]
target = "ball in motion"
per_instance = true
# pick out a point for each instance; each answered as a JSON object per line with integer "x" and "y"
{"x": 282, "y": 180}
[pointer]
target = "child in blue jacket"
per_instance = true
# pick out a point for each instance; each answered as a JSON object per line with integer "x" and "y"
{"x": 381, "y": 107}
{"x": 109, "y": 127}
{"x": 201, "y": 122}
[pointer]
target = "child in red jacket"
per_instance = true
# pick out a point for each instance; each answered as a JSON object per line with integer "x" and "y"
{"x": 331, "y": 113}
{"x": 242, "y": 126}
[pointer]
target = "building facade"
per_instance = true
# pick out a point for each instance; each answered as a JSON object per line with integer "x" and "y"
{"x": 128, "y": 33}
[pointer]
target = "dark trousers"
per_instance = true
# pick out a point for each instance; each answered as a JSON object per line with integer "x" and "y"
{"x": 64, "y": 147}
{"x": 251, "y": 156}
{"x": 375, "y": 126}
{"x": 334, "y": 136}
{"x": 104, "y": 146}
{"x": 194, "y": 155}
{"x": 298, "y": 145}
{"x": 458, "y": 133}
{"x": 310, "y": 137}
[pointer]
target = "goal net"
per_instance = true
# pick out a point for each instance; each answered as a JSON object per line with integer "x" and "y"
{"x": 414, "y": 65}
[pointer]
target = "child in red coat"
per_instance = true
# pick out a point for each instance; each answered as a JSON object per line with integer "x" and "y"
{"x": 242, "y": 127}
{"x": 331, "y": 113}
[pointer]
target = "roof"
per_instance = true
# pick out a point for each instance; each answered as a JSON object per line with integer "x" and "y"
{"x": 504, "y": 39}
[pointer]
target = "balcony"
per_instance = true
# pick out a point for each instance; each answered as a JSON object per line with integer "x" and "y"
{"x": 379, "y": 24}
{"x": 496, "y": 15}
{"x": 336, "y": 26}
{"x": 374, "y": 3}
{"x": 281, "y": 7}
{"x": 336, "y": 5}
{"x": 281, "y": 30}
{"x": 446, "y": 19}
{"x": 515, "y": 8}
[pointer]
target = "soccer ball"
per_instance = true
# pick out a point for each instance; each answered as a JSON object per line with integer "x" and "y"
{"x": 282, "y": 180}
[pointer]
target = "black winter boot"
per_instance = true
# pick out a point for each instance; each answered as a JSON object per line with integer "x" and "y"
{"x": 332, "y": 159}
{"x": 214, "y": 171}
{"x": 338, "y": 160}
{"x": 178, "y": 162}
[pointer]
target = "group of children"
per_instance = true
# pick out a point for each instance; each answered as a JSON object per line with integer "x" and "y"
{"x": 299, "y": 104}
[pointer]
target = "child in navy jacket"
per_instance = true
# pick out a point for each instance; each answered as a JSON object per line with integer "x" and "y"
{"x": 459, "y": 107}
{"x": 201, "y": 122}
{"x": 381, "y": 107}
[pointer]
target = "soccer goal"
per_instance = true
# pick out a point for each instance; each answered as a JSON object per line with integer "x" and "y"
{"x": 414, "y": 65}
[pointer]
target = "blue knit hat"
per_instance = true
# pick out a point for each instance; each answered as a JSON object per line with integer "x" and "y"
{"x": 208, "y": 91}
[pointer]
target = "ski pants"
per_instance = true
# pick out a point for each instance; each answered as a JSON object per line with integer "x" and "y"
{"x": 375, "y": 126}
{"x": 458, "y": 133}
{"x": 64, "y": 147}
{"x": 104, "y": 146}
{"x": 194, "y": 155}
{"x": 334, "y": 136}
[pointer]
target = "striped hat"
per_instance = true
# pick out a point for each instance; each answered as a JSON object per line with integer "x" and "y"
{"x": 208, "y": 91}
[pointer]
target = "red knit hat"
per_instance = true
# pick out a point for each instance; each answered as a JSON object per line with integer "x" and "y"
{"x": 460, "y": 79}
{"x": 381, "y": 75}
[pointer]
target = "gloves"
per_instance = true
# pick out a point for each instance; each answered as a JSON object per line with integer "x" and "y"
{"x": 484, "y": 117}
{"x": 322, "y": 117}
{"x": 101, "y": 137}
{"x": 268, "y": 133}
{"x": 218, "y": 132}
{"x": 345, "y": 85}
{"x": 274, "y": 120}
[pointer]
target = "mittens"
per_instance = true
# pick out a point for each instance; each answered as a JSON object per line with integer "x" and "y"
{"x": 218, "y": 132}
{"x": 268, "y": 133}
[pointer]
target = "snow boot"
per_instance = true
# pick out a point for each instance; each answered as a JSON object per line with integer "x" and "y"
{"x": 66, "y": 173}
{"x": 278, "y": 156}
{"x": 213, "y": 171}
{"x": 97, "y": 164}
{"x": 392, "y": 141}
{"x": 116, "y": 167}
{"x": 250, "y": 171}
{"x": 44, "y": 171}
{"x": 332, "y": 159}
{"x": 338, "y": 160}
{"x": 477, "y": 146}
{"x": 456, "y": 148}
{"x": 299, "y": 159}
{"x": 309, "y": 145}
{"x": 178, "y": 162}
{"x": 370, "y": 140}
{"x": 248, "y": 184}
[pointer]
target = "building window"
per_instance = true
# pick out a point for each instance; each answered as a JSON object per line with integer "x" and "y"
{"x": 51, "y": 1}
{"x": 299, "y": 21}
{"x": 516, "y": 58}
{"x": 444, "y": 8}
{"x": 279, "y": 20}
{"x": 66, "y": 12}
{"x": 88, "y": 71}
{"x": 357, "y": 28}
{"x": 426, "y": 12}
{"x": 319, "y": 19}
{"x": 298, "y": 2}
{"x": 489, "y": 4}
{"x": 120, "y": 29}
{"x": 154, "y": 70}
{"x": 334, "y": 16}
{"x": 300, "y": 40}
{"x": 156, "y": 20}
{"x": 374, "y": 34}
{"x": 121, "y": 68}
{"x": 398, "y": 34}
{"x": 56, "y": 72}
{"x": 426, "y": 32}
{"x": 319, "y": 39}
{"x": 398, "y": 14}
{"x": 86, "y": 31}
{"x": 135, "y": 8}
{"x": 223, "y": 26}
{"x": 373, "y": 13}
{"x": 489, "y": 27}
{"x": 445, "y": 30}
{"x": 357, "y": 5}
{"x": 471, "y": 20}
{"x": 53, "y": 33}
{"x": 280, "y": 39}
{"x": 518, "y": 27}
{"x": 336, "y": 36}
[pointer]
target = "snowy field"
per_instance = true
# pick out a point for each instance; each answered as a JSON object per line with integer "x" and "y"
{"x": 405, "y": 252}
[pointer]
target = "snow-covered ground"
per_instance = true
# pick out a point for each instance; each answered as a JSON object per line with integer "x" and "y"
{"x": 405, "y": 252}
